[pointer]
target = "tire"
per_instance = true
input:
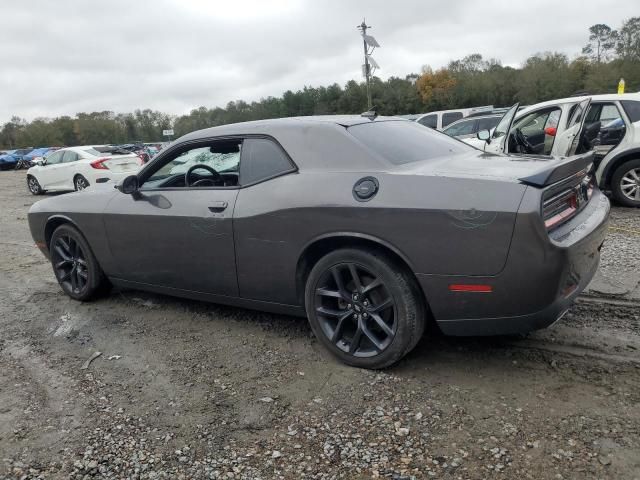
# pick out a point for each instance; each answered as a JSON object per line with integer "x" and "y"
{"x": 345, "y": 316}
{"x": 625, "y": 183}
{"x": 74, "y": 265}
{"x": 34, "y": 186}
{"x": 80, "y": 183}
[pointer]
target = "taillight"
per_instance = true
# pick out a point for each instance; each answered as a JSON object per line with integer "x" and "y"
{"x": 99, "y": 164}
{"x": 567, "y": 203}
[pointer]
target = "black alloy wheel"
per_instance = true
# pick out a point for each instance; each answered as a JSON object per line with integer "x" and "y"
{"x": 74, "y": 264}
{"x": 364, "y": 307}
{"x": 355, "y": 310}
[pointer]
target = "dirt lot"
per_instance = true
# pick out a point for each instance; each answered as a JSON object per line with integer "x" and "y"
{"x": 191, "y": 390}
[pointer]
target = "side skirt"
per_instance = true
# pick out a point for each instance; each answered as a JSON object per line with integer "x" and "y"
{"x": 295, "y": 310}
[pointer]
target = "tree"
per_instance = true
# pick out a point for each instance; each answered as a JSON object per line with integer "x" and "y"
{"x": 602, "y": 41}
{"x": 628, "y": 40}
{"x": 436, "y": 87}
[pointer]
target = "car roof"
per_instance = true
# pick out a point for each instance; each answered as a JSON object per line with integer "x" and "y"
{"x": 280, "y": 124}
{"x": 561, "y": 101}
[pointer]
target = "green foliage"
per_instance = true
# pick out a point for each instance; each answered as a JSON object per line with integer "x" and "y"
{"x": 471, "y": 81}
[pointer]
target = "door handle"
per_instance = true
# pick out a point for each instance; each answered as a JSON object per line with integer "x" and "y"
{"x": 217, "y": 207}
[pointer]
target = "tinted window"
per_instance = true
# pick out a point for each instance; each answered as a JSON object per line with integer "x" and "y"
{"x": 632, "y": 109}
{"x": 404, "y": 142}
{"x": 488, "y": 123}
{"x": 430, "y": 121}
{"x": 451, "y": 117}
{"x": 261, "y": 159}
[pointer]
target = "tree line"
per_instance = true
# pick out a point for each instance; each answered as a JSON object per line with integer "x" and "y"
{"x": 607, "y": 56}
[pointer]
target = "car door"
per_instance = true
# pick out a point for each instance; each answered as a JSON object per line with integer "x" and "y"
{"x": 497, "y": 141}
{"x": 68, "y": 169}
{"x": 174, "y": 235}
{"x": 567, "y": 142}
{"x": 51, "y": 173}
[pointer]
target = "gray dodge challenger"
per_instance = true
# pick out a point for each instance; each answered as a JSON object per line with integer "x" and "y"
{"x": 369, "y": 226}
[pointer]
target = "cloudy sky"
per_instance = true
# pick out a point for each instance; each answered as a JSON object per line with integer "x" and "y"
{"x": 62, "y": 57}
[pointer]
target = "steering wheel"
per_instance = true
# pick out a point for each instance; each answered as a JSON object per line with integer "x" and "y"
{"x": 202, "y": 181}
{"x": 522, "y": 142}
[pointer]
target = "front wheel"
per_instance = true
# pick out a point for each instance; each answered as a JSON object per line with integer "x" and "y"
{"x": 74, "y": 264}
{"x": 364, "y": 307}
{"x": 625, "y": 184}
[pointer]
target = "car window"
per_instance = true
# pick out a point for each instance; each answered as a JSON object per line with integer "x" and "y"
{"x": 536, "y": 122}
{"x": 262, "y": 159}
{"x": 632, "y": 109}
{"x": 223, "y": 157}
{"x": 488, "y": 123}
{"x": 69, "y": 156}
{"x": 466, "y": 127}
{"x": 430, "y": 121}
{"x": 54, "y": 158}
{"x": 450, "y": 117}
{"x": 402, "y": 142}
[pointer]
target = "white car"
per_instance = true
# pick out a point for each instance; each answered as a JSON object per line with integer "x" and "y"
{"x": 76, "y": 168}
{"x": 608, "y": 125}
{"x": 442, "y": 118}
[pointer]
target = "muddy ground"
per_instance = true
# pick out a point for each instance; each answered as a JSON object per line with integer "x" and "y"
{"x": 191, "y": 390}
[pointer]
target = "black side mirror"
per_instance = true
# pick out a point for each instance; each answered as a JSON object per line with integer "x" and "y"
{"x": 129, "y": 185}
{"x": 484, "y": 135}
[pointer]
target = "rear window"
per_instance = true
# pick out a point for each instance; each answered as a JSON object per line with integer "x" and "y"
{"x": 632, "y": 108}
{"x": 402, "y": 142}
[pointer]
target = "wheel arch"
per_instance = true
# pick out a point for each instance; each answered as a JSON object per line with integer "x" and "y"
{"x": 613, "y": 164}
{"x": 54, "y": 222}
{"x": 320, "y": 246}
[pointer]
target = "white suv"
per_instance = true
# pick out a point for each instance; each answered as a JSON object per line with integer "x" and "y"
{"x": 607, "y": 124}
{"x": 75, "y": 168}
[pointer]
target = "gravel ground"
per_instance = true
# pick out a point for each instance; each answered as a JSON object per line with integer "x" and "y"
{"x": 190, "y": 390}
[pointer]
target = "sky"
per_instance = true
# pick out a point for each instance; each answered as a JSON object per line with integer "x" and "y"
{"x": 62, "y": 57}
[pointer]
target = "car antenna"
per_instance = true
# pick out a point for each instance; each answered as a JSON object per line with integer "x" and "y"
{"x": 371, "y": 114}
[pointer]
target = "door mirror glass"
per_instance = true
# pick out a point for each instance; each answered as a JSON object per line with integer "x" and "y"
{"x": 128, "y": 185}
{"x": 484, "y": 135}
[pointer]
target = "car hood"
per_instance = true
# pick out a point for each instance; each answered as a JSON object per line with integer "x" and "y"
{"x": 536, "y": 170}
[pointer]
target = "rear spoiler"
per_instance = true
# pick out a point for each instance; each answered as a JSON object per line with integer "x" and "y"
{"x": 566, "y": 167}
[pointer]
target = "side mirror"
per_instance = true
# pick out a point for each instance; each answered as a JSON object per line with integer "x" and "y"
{"x": 40, "y": 162}
{"x": 128, "y": 185}
{"x": 484, "y": 135}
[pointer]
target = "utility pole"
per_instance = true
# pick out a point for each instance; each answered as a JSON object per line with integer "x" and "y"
{"x": 370, "y": 64}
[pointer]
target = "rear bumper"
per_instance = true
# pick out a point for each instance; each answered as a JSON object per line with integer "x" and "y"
{"x": 543, "y": 276}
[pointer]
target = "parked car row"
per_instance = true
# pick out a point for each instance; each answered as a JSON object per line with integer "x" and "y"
{"x": 23, "y": 156}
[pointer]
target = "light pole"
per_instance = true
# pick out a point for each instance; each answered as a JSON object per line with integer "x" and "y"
{"x": 370, "y": 65}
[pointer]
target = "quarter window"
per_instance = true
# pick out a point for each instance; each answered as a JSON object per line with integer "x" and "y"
{"x": 262, "y": 159}
{"x": 632, "y": 108}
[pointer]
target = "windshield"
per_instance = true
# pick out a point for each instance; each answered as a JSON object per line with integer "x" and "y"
{"x": 402, "y": 142}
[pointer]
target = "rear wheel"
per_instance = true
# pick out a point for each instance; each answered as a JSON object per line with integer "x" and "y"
{"x": 625, "y": 183}
{"x": 34, "y": 186}
{"x": 80, "y": 183}
{"x": 364, "y": 307}
{"x": 74, "y": 264}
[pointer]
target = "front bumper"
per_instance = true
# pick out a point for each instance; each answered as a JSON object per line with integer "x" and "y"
{"x": 541, "y": 279}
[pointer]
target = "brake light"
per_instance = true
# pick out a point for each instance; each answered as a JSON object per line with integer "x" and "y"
{"x": 566, "y": 204}
{"x": 99, "y": 164}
